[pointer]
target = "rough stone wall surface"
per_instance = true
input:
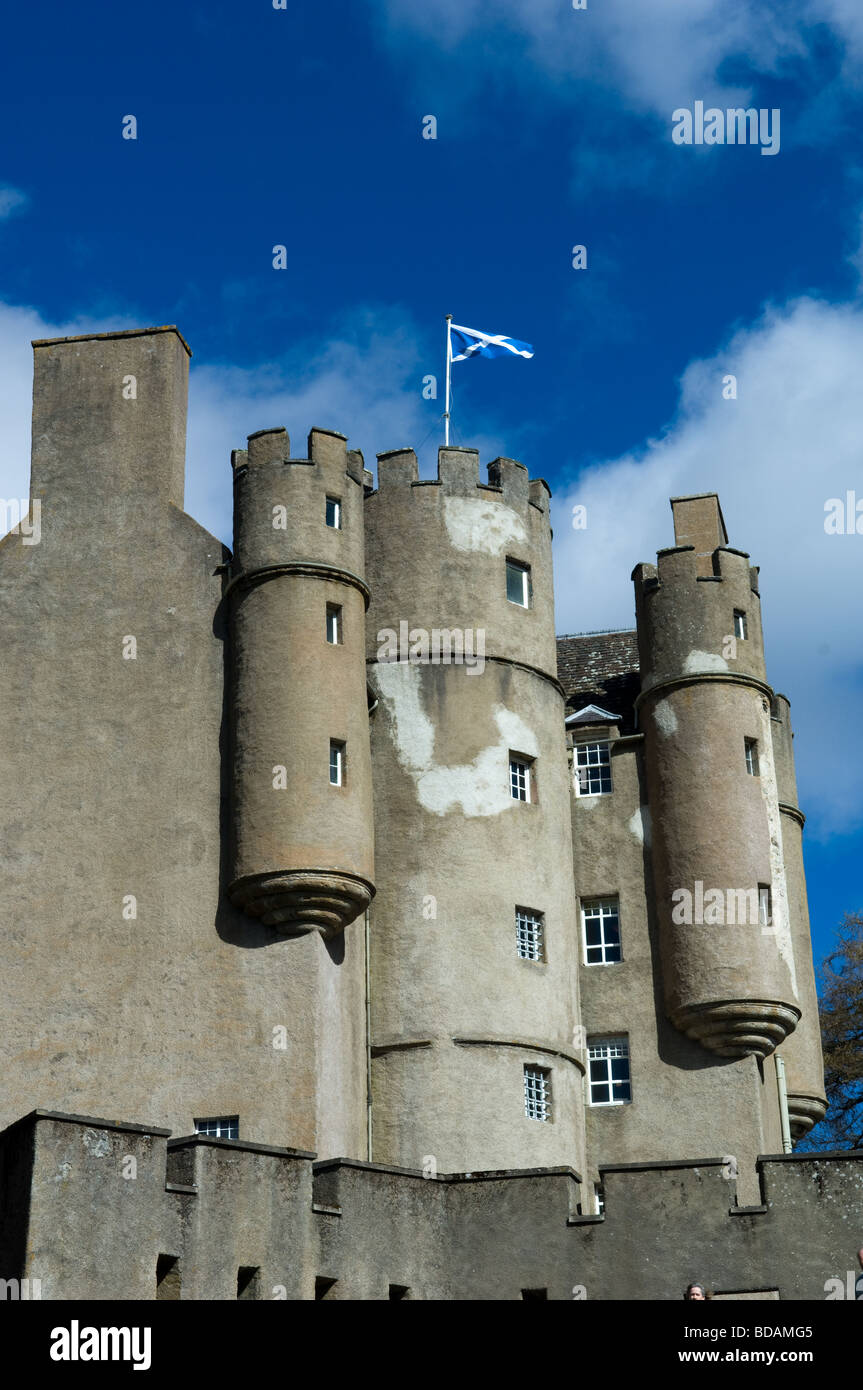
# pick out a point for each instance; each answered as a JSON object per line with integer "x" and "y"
{"x": 346, "y": 1230}
{"x": 456, "y": 1013}
{"x": 114, "y": 776}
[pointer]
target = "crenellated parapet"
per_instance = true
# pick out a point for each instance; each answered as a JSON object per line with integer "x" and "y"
{"x": 214, "y": 1219}
{"x": 437, "y": 553}
{"x": 689, "y": 622}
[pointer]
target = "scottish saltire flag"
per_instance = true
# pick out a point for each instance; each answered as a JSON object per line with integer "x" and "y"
{"x": 468, "y": 342}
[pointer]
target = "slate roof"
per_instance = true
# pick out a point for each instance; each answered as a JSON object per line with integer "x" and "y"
{"x": 600, "y": 668}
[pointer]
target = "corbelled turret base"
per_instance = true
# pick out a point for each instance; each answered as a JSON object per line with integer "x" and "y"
{"x": 804, "y": 1112}
{"x": 738, "y": 1028}
{"x": 296, "y": 902}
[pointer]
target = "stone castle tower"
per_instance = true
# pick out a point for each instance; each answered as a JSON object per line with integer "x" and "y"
{"x": 329, "y": 843}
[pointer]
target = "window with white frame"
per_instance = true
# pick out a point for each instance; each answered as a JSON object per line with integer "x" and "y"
{"x": 537, "y": 1093}
{"x": 337, "y": 763}
{"x": 750, "y": 746}
{"x": 592, "y": 768}
{"x": 741, "y": 629}
{"x": 598, "y": 1199}
{"x": 520, "y": 777}
{"x": 334, "y": 624}
{"x": 529, "y": 934}
{"x": 608, "y": 1059}
{"x": 600, "y": 919}
{"x": 224, "y": 1127}
{"x": 334, "y": 513}
{"x": 518, "y": 583}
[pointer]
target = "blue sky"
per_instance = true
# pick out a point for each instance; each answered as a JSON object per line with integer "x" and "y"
{"x": 302, "y": 127}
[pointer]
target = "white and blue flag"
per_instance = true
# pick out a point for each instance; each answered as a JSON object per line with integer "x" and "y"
{"x": 471, "y": 343}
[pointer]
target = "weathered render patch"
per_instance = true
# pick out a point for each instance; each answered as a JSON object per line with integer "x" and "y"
{"x": 473, "y": 524}
{"x": 480, "y": 787}
{"x": 781, "y": 922}
{"x": 698, "y": 663}
{"x": 639, "y": 825}
{"x": 665, "y": 718}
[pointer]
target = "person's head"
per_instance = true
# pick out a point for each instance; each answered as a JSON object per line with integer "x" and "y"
{"x": 697, "y": 1290}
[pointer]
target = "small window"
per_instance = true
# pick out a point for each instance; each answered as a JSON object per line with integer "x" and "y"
{"x": 741, "y": 629}
{"x": 168, "y": 1286}
{"x": 592, "y": 769}
{"x": 609, "y": 1071}
{"x": 520, "y": 777}
{"x": 537, "y": 1093}
{"x": 601, "y": 922}
{"x": 334, "y": 624}
{"x": 334, "y": 513}
{"x": 765, "y": 905}
{"x": 399, "y": 1291}
{"x": 598, "y": 1199}
{"x": 225, "y": 1127}
{"x": 518, "y": 586}
{"x": 751, "y": 747}
{"x": 324, "y": 1288}
{"x": 529, "y": 934}
{"x": 337, "y": 764}
{"x": 248, "y": 1282}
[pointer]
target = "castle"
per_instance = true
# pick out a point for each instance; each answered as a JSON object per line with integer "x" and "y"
{"x": 445, "y": 948}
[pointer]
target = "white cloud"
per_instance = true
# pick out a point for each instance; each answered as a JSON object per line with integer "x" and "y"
{"x": 11, "y": 200}
{"x": 791, "y": 440}
{"x": 655, "y": 56}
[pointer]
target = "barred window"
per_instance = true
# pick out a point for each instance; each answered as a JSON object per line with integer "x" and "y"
{"x": 519, "y": 777}
{"x": 537, "y": 1093}
{"x": 601, "y": 921}
{"x": 750, "y": 746}
{"x": 608, "y": 1059}
{"x": 225, "y": 1127}
{"x": 592, "y": 769}
{"x": 529, "y": 934}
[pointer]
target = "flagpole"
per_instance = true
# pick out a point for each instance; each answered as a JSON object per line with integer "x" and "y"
{"x": 448, "y": 366}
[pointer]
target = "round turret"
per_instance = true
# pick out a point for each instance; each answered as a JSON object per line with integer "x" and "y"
{"x": 477, "y": 1062}
{"x": 302, "y": 797}
{"x": 705, "y": 710}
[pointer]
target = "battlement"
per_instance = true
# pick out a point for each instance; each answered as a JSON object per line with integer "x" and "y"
{"x": 459, "y": 476}
{"x": 215, "y": 1209}
{"x": 682, "y": 564}
{"x": 326, "y": 448}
